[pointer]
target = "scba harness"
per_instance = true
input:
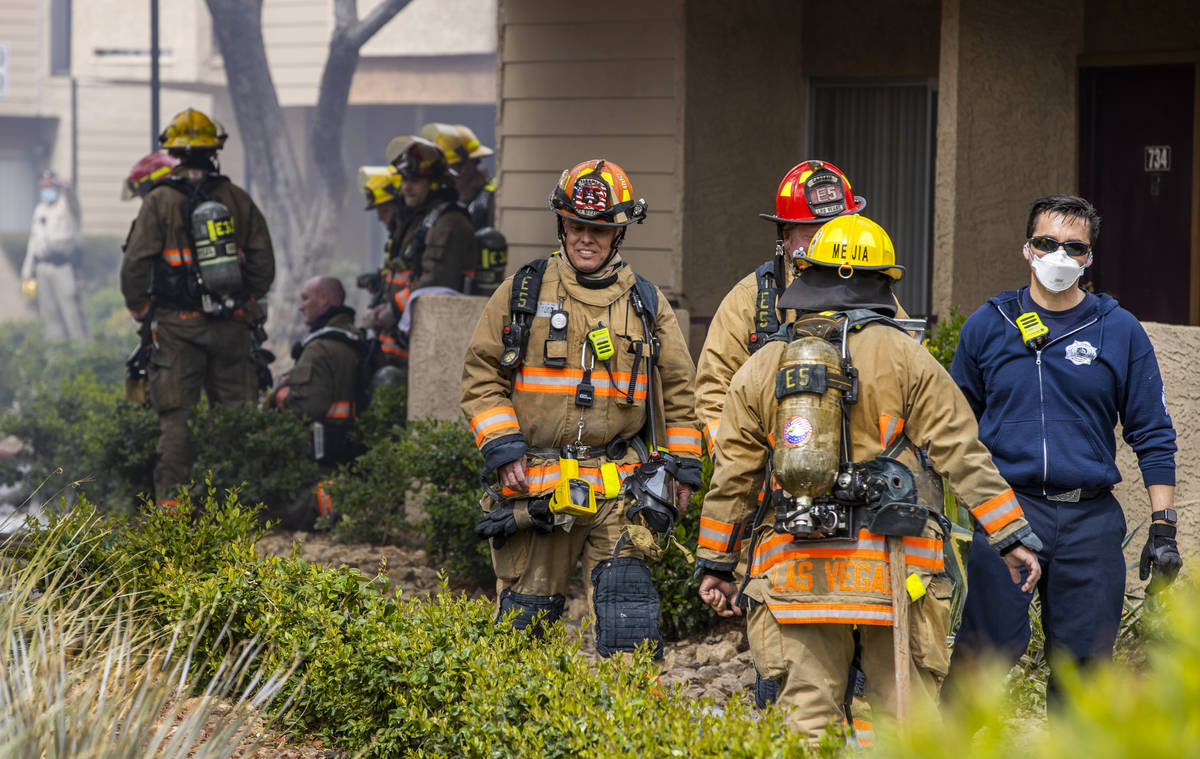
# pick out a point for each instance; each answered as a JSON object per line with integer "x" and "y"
{"x": 879, "y": 495}
{"x": 490, "y": 245}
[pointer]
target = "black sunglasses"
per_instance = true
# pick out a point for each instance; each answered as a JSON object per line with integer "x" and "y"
{"x": 1049, "y": 245}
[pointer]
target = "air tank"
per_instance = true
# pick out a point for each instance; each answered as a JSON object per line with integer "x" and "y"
{"x": 216, "y": 249}
{"x": 808, "y": 422}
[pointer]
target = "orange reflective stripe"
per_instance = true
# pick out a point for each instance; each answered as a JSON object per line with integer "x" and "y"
{"x": 324, "y": 501}
{"x": 780, "y": 547}
{"x": 401, "y": 298}
{"x": 838, "y": 614}
{"x": 540, "y": 379}
{"x": 710, "y": 435}
{"x": 683, "y": 440}
{"x": 715, "y": 534}
{"x": 890, "y": 428}
{"x": 388, "y": 345}
{"x": 177, "y": 257}
{"x": 995, "y": 513}
{"x": 140, "y": 313}
{"x": 543, "y": 478}
{"x": 495, "y": 419}
{"x": 281, "y": 395}
{"x": 340, "y": 410}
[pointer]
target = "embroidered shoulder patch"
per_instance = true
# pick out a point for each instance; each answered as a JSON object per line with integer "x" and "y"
{"x": 1081, "y": 352}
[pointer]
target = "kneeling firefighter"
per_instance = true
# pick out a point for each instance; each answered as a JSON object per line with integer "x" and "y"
{"x": 574, "y": 365}
{"x": 198, "y": 261}
{"x": 845, "y": 547}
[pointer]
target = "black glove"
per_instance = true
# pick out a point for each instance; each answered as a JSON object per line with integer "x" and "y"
{"x": 507, "y": 520}
{"x": 1161, "y": 555}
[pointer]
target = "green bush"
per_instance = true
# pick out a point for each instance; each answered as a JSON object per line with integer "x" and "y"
{"x": 384, "y": 419}
{"x": 85, "y": 430}
{"x": 683, "y": 613}
{"x": 264, "y": 453}
{"x": 390, "y": 676}
{"x": 943, "y": 338}
{"x": 436, "y": 461}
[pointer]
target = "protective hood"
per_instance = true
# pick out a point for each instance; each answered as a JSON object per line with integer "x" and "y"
{"x": 819, "y": 288}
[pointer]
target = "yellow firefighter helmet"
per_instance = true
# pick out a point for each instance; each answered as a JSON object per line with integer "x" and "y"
{"x": 853, "y": 243}
{"x": 379, "y": 185}
{"x": 193, "y": 130}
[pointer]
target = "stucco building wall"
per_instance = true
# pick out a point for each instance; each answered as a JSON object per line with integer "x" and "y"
{"x": 1007, "y": 124}
{"x": 1177, "y": 347}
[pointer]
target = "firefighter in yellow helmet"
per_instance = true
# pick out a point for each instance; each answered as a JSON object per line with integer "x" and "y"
{"x": 464, "y": 151}
{"x": 197, "y": 263}
{"x": 380, "y": 186}
{"x": 557, "y": 386}
{"x": 477, "y": 193}
{"x": 434, "y": 245}
{"x": 838, "y": 407}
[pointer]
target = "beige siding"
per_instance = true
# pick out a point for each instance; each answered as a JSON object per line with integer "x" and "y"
{"x": 21, "y": 27}
{"x": 296, "y": 33}
{"x": 567, "y": 95}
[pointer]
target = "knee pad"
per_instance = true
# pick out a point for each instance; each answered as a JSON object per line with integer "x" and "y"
{"x": 534, "y": 612}
{"x": 626, "y": 605}
{"x": 766, "y": 691}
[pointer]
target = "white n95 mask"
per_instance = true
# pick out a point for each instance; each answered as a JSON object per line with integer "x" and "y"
{"x": 1056, "y": 271}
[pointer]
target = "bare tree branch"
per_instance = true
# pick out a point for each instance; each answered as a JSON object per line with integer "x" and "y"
{"x": 374, "y": 21}
{"x": 325, "y": 134}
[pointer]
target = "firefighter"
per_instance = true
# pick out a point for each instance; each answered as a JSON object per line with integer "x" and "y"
{"x": 48, "y": 272}
{"x": 323, "y": 388}
{"x": 810, "y": 194}
{"x": 198, "y": 261}
{"x": 477, "y": 193}
{"x": 435, "y": 245}
{"x": 817, "y": 576}
{"x": 464, "y": 151}
{"x": 573, "y": 362}
{"x": 380, "y": 186}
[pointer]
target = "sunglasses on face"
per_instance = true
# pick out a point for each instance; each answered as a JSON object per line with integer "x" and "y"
{"x": 1049, "y": 245}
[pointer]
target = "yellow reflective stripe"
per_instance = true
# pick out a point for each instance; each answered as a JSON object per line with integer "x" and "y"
{"x": 543, "y": 478}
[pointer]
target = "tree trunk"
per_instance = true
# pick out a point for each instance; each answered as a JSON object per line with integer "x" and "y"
{"x": 302, "y": 207}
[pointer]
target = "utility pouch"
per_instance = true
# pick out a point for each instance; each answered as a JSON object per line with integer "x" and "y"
{"x": 904, "y": 519}
{"x": 137, "y": 390}
{"x": 572, "y": 495}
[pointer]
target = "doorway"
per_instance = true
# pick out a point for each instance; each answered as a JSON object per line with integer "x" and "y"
{"x": 1136, "y": 146}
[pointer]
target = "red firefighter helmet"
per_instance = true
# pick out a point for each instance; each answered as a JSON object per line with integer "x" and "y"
{"x": 813, "y": 192}
{"x": 147, "y": 173}
{"x": 597, "y": 192}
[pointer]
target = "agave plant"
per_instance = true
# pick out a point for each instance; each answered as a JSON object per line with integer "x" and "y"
{"x": 81, "y": 675}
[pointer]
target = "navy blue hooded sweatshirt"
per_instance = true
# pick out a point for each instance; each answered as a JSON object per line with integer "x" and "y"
{"x": 1048, "y": 416}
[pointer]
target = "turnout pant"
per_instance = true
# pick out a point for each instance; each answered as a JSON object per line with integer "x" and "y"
{"x": 534, "y": 572}
{"x": 193, "y": 353}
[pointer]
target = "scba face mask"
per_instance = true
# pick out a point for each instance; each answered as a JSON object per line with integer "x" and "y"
{"x": 1056, "y": 271}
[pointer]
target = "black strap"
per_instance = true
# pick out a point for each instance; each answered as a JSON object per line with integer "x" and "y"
{"x": 416, "y": 246}
{"x": 766, "y": 316}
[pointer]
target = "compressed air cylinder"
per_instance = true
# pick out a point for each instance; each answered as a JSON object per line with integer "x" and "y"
{"x": 216, "y": 249}
{"x": 808, "y": 427}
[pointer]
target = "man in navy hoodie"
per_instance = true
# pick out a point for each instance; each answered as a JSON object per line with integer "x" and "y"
{"x": 1049, "y": 370}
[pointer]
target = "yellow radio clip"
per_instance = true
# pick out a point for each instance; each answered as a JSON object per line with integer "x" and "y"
{"x": 572, "y": 495}
{"x": 601, "y": 342}
{"x": 1032, "y": 330}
